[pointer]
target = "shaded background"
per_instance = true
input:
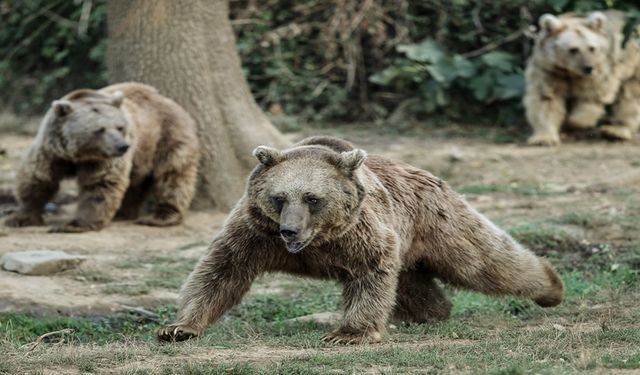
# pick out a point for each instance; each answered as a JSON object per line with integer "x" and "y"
{"x": 391, "y": 62}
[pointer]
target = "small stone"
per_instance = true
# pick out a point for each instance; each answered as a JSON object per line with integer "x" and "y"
{"x": 327, "y": 317}
{"x": 455, "y": 156}
{"x": 39, "y": 262}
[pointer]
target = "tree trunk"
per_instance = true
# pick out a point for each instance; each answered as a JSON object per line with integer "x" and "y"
{"x": 186, "y": 49}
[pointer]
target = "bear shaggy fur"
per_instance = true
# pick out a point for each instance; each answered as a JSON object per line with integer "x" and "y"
{"x": 386, "y": 230}
{"x": 120, "y": 142}
{"x": 578, "y": 67}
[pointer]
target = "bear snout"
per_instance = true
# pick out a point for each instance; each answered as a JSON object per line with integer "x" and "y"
{"x": 288, "y": 232}
{"x": 122, "y": 148}
{"x": 587, "y": 69}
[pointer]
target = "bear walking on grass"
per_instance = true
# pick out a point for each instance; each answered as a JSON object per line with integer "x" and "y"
{"x": 384, "y": 229}
{"x": 121, "y": 142}
{"x": 578, "y": 67}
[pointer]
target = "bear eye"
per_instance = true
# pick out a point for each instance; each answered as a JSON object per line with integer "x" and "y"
{"x": 311, "y": 200}
{"x": 120, "y": 129}
{"x": 278, "y": 202}
{"x": 100, "y": 131}
{"x": 592, "y": 49}
{"x": 573, "y": 50}
{"x": 95, "y": 110}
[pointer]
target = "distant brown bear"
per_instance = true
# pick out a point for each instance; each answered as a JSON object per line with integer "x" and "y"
{"x": 580, "y": 61}
{"x": 386, "y": 230}
{"x": 120, "y": 142}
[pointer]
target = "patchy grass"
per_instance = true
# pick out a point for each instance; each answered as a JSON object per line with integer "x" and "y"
{"x": 587, "y": 220}
{"x": 593, "y": 330}
{"x": 522, "y": 189}
{"x": 543, "y": 238}
{"x": 169, "y": 272}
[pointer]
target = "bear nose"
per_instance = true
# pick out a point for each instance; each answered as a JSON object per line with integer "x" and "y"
{"x": 587, "y": 69}
{"x": 288, "y": 233}
{"x": 123, "y": 148}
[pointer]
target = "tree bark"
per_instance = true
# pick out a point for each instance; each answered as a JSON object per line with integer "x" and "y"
{"x": 186, "y": 49}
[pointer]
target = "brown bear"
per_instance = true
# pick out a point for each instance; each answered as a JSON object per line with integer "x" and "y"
{"x": 385, "y": 229}
{"x": 121, "y": 142}
{"x": 581, "y": 61}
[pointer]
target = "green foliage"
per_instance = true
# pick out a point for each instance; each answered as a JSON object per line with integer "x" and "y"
{"x": 316, "y": 60}
{"x": 48, "y": 49}
{"x": 437, "y": 76}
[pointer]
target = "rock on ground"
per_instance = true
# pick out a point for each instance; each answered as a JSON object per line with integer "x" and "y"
{"x": 322, "y": 318}
{"x": 39, "y": 262}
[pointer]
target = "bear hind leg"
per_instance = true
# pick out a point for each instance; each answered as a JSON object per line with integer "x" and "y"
{"x": 173, "y": 188}
{"x": 132, "y": 201}
{"x": 420, "y": 299}
{"x": 626, "y": 113}
{"x": 511, "y": 270}
{"x": 585, "y": 115}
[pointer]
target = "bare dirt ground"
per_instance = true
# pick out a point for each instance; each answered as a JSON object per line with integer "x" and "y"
{"x": 515, "y": 185}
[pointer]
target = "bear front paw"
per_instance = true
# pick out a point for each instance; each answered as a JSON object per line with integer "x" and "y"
{"x": 165, "y": 215}
{"x": 155, "y": 221}
{"x": 351, "y": 337}
{"x": 24, "y": 220}
{"x": 176, "y": 332}
{"x": 621, "y": 133}
{"x": 543, "y": 140}
{"x": 73, "y": 227}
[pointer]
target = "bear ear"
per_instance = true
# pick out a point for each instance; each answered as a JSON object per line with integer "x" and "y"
{"x": 117, "y": 98}
{"x": 61, "y": 107}
{"x": 268, "y": 156}
{"x": 596, "y": 21}
{"x": 550, "y": 23}
{"x": 351, "y": 160}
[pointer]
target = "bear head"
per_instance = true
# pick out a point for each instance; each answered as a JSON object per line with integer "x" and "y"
{"x": 577, "y": 46}
{"x": 307, "y": 194}
{"x": 88, "y": 125}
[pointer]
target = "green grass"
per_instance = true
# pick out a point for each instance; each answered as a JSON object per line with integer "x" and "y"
{"x": 543, "y": 238}
{"x": 161, "y": 272}
{"x": 485, "y": 335}
{"x": 169, "y": 272}
{"x": 587, "y": 220}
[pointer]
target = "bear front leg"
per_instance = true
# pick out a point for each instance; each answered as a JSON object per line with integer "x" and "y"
{"x": 585, "y": 115}
{"x": 38, "y": 181}
{"x": 174, "y": 186}
{"x": 368, "y": 301}
{"x": 32, "y": 196}
{"x": 219, "y": 281}
{"x": 625, "y": 119}
{"x": 419, "y": 299}
{"x": 545, "y": 113}
{"x": 101, "y": 191}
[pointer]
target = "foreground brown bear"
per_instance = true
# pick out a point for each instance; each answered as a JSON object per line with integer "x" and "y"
{"x": 384, "y": 229}
{"x": 120, "y": 142}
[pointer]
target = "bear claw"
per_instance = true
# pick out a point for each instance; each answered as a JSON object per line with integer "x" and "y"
{"x": 352, "y": 338}
{"x": 163, "y": 217}
{"x": 174, "y": 333}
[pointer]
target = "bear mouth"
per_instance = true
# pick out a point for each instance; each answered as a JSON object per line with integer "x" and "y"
{"x": 295, "y": 246}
